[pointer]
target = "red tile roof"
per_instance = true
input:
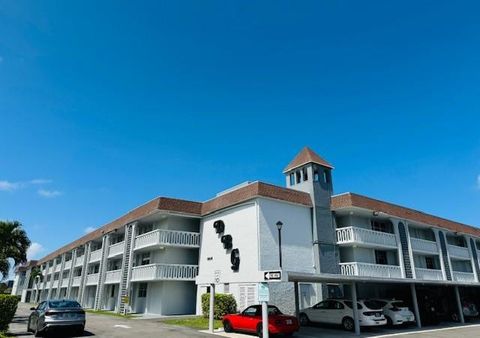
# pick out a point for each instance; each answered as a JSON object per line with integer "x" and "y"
{"x": 306, "y": 155}
{"x": 255, "y": 189}
{"x": 355, "y": 200}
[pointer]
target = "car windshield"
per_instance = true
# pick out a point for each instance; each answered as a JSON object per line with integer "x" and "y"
{"x": 273, "y": 310}
{"x": 349, "y": 304}
{"x": 60, "y": 304}
{"x": 373, "y": 304}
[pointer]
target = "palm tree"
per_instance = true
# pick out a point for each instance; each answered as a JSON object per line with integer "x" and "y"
{"x": 13, "y": 244}
{"x": 37, "y": 277}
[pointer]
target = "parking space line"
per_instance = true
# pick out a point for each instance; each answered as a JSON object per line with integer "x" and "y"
{"x": 427, "y": 331}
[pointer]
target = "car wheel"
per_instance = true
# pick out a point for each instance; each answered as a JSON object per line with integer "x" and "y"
{"x": 304, "y": 320}
{"x": 227, "y": 327}
{"x": 348, "y": 324}
{"x": 259, "y": 330}
{"x": 79, "y": 331}
{"x": 389, "y": 321}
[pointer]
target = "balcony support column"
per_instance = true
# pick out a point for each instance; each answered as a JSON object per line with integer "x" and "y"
{"x": 70, "y": 276}
{"x": 99, "y": 292}
{"x": 83, "y": 279}
{"x": 439, "y": 247}
{"x": 52, "y": 278}
{"x": 459, "y": 305}
{"x": 211, "y": 327}
{"x": 472, "y": 251}
{"x": 297, "y": 303}
{"x": 399, "y": 247}
{"x": 356, "y": 320}
{"x": 415, "y": 306}
{"x": 60, "y": 276}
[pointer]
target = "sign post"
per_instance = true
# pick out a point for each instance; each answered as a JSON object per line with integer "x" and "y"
{"x": 264, "y": 297}
{"x": 211, "y": 314}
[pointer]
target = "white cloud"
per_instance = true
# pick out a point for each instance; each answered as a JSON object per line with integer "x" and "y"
{"x": 49, "y": 193}
{"x": 40, "y": 181}
{"x": 9, "y": 186}
{"x": 89, "y": 229}
{"x": 35, "y": 250}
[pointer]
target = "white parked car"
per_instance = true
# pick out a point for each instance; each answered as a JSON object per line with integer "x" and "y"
{"x": 396, "y": 312}
{"x": 340, "y": 311}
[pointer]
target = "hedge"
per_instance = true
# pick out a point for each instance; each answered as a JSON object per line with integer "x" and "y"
{"x": 224, "y": 304}
{"x": 8, "y": 307}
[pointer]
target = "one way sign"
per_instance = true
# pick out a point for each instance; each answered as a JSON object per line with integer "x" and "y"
{"x": 272, "y": 276}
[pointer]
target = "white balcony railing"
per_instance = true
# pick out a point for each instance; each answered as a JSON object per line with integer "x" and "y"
{"x": 58, "y": 267}
{"x": 95, "y": 256}
{"x": 55, "y": 284}
{"x": 64, "y": 282}
{"x": 164, "y": 272}
{"x": 76, "y": 280}
{"x": 67, "y": 265}
{"x": 116, "y": 249}
{"x": 168, "y": 238}
{"x": 92, "y": 279}
{"x": 458, "y": 252}
{"x": 429, "y": 274}
{"x": 370, "y": 270}
{"x": 366, "y": 237}
{"x": 79, "y": 260}
{"x": 423, "y": 245}
{"x": 466, "y": 277}
{"x": 113, "y": 277}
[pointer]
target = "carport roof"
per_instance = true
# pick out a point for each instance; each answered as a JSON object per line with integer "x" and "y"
{"x": 303, "y": 277}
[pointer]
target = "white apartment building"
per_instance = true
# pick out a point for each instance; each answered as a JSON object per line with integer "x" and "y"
{"x": 162, "y": 256}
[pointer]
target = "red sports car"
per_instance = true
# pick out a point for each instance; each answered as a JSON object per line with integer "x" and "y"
{"x": 250, "y": 320}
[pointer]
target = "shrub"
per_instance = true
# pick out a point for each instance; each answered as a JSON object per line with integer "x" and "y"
{"x": 8, "y": 306}
{"x": 224, "y": 304}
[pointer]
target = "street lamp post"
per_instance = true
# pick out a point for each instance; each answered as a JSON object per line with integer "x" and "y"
{"x": 279, "y": 227}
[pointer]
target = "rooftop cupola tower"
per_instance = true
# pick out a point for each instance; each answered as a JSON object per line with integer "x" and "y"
{"x": 311, "y": 173}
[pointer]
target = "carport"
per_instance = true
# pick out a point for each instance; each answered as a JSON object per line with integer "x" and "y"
{"x": 298, "y": 277}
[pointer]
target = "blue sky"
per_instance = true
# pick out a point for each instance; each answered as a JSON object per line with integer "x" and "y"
{"x": 105, "y": 105}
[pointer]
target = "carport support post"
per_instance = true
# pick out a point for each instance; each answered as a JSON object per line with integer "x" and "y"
{"x": 355, "y": 309}
{"x": 415, "y": 305}
{"x": 264, "y": 319}
{"x": 297, "y": 303}
{"x": 459, "y": 305}
{"x": 212, "y": 306}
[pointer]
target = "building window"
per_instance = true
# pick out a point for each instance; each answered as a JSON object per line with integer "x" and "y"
{"x": 292, "y": 179}
{"x": 326, "y": 176}
{"x": 429, "y": 262}
{"x": 142, "y": 290}
{"x": 378, "y": 226}
{"x": 316, "y": 176}
{"x": 298, "y": 175}
{"x": 381, "y": 257}
{"x": 305, "y": 174}
{"x": 145, "y": 258}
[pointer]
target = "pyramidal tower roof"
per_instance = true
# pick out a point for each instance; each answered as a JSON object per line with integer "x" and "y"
{"x": 306, "y": 155}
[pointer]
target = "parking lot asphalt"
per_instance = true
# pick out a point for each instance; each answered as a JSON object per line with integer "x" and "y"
{"x": 106, "y": 326}
{"x": 117, "y": 327}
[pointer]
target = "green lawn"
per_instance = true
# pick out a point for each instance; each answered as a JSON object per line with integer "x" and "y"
{"x": 197, "y": 323}
{"x": 109, "y": 313}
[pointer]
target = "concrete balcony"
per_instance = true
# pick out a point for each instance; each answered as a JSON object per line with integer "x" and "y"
{"x": 370, "y": 270}
{"x": 424, "y": 246}
{"x": 464, "y": 277}
{"x": 95, "y": 256}
{"x": 366, "y": 238}
{"x": 93, "y": 279}
{"x": 68, "y": 265}
{"x": 429, "y": 274}
{"x": 458, "y": 252}
{"x": 79, "y": 260}
{"x": 116, "y": 249}
{"x": 152, "y": 272}
{"x": 58, "y": 267}
{"x": 76, "y": 280}
{"x": 162, "y": 238}
{"x": 113, "y": 277}
{"x": 55, "y": 284}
